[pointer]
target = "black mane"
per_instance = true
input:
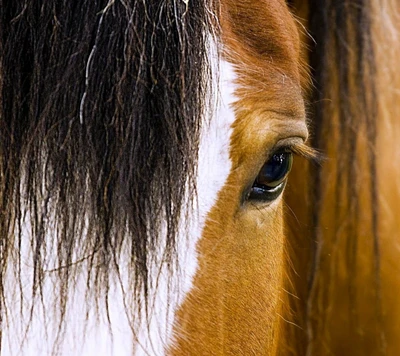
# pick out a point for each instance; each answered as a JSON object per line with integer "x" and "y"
{"x": 100, "y": 110}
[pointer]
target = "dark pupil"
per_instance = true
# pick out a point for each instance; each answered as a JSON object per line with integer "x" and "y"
{"x": 275, "y": 169}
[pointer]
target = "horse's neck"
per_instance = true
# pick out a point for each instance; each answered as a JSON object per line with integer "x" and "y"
{"x": 347, "y": 290}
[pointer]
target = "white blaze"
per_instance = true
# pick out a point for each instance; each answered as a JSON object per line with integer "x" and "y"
{"x": 85, "y": 334}
{"x": 213, "y": 169}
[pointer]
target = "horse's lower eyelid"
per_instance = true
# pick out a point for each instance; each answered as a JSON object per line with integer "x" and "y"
{"x": 258, "y": 194}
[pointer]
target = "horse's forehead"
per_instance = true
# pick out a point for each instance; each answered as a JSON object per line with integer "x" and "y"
{"x": 261, "y": 34}
{"x": 262, "y": 42}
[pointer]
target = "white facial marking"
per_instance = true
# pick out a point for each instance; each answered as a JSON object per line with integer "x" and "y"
{"x": 214, "y": 166}
{"x": 86, "y": 334}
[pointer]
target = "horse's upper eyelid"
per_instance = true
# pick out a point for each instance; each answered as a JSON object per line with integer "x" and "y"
{"x": 306, "y": 151}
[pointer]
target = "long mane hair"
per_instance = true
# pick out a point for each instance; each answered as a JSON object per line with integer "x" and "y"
{"x": 101, "y": 105}
{"x": 100, "y": 110}
{"x": 336, "y": 258}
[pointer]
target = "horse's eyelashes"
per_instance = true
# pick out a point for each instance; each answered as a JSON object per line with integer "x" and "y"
{"x": 272, "y": 177}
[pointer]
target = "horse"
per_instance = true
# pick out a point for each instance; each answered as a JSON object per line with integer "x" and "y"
{"x": 146, "y": 205}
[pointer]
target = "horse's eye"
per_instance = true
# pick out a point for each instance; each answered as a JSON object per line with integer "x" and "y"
{"x": 272, "y": 178}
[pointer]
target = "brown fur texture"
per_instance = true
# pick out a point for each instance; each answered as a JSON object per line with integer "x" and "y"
{"x": 235, "y": 305}
{"x": 341, "y": 228}
{"x": 100, "y": 112}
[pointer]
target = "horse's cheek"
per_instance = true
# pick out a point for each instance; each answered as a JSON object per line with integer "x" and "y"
{"x": 233, "y": 307}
